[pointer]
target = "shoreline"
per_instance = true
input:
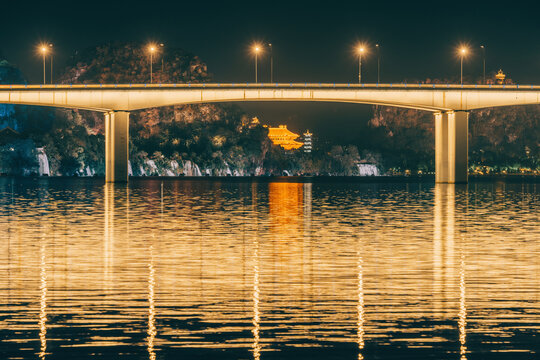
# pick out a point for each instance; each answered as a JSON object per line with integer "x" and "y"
{"x": 511, "y": 178}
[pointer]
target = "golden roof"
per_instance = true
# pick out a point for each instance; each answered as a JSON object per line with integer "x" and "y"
{"x": 284, "y": 137}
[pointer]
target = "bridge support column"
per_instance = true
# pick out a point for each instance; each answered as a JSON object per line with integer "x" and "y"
{"x": 116, "y": 146}
{"x": 451, "y": 146}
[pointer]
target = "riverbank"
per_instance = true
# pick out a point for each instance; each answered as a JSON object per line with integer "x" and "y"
{"x": 510, "y": 178}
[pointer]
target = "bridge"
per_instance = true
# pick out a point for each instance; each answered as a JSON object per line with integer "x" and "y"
{"x": 450, "y": 105}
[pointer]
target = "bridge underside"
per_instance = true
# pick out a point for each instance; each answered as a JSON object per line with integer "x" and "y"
{"x": 451, "y": 146}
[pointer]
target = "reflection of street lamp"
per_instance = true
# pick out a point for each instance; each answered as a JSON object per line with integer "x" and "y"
{"x": 462, "y": 53}
{"x": 256, "y": 50}
{"x": 361, "y": 51}
{"x": 484, "y": 62}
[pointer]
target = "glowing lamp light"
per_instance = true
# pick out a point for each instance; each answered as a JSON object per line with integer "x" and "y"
{"x": 463, "y": 50}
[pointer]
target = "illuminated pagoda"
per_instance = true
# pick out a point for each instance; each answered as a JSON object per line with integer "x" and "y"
{"x": 284, "y": 137}
{"x": 500, "y": 77}
{"x": 308, "y": 141}
{"x": 254, "y": 123}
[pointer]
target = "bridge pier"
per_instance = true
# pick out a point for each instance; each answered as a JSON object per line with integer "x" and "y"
{"x": 451, "y": 146}
{"x": 116, "y": 146}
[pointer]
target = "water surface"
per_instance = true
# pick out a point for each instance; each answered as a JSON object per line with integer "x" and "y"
{"x": 268, "y": 270}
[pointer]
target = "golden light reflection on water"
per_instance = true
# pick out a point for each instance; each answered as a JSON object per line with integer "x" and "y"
{"x": 108, "y": 241}
{"x": 299, "y": 268}
{"x": 462, "y": 311}
{"x": 360, "y": 307}
{"x": 256, "y": 299}
{"x": 43, "y": 301}
{"x": 151, "y": 306}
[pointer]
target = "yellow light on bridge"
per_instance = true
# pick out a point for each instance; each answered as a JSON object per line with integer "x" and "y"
{"x": 152, "y": 48}
{"x": 361, "y": 50}
{"x": 43, "y": 49}
{"x": 257, "y": 48}
{"x": 463, "y": 50}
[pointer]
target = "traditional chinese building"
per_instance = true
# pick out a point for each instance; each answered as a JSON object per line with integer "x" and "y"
{"x": 308, "y": 141}
{"x": 500, "y": 76}
{"x": 284, "y": 137}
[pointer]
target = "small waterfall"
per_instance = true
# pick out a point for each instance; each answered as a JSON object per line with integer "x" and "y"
{"x": 167, "y": 172}
{"x": 43, "y": 162}
{"x": 186, "y": 168}
{"x": 368, "y": 170}
{"x": 191, "y": 169}
{"x": 88, "y": 171}
{"x": 152, "y": 167}
{"x": 228, "y": 171}
{"x": 130, "y": 169}
{"x": 175, "y": 168}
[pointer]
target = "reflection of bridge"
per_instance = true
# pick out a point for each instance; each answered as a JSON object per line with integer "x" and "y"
{"x": 449, "y": 103}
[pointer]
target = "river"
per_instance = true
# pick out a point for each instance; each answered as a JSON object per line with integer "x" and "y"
{"x": 268, "y": 269}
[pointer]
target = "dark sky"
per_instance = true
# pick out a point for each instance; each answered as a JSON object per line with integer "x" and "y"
{"x": 312, "y": 41}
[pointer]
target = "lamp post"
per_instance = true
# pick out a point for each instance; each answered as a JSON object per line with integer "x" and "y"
{"x": 271, "y": 63}
{"x": 162, "y": 58}
{"x": 463, "y": 52}
{"x": 256, "y": 49}
{"x": 152, "y": 50}
{"x": 378, "y": 63}
{"x": 484, "y": 63}
{"x": 360, "y": 52}
{"x": 43, "y": 50}
{"x": 51, "y": 47}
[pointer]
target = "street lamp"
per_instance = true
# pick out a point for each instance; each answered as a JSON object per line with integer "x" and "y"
{"x": 162, "y": 57}
{"x": 152, "y": 49}
{"x": 271, "y": 63}
{"x": 462, "y": 53}
{"x": 43, "y": 49}
{"x": 378, "y": 63}
{"x": 361, "y": 51}
{"x": 484, "y": 62}
{"x": 256, "y": 50}
{"x": 51, "y": 47}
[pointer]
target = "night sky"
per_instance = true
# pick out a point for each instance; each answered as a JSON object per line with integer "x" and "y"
{"x": 312, "y": 41}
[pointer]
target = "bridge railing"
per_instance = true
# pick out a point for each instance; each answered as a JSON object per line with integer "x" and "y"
{"x": 270, "y": 86}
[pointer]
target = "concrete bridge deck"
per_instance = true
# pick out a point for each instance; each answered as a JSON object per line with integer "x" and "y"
{"x": 130, "y": 97}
